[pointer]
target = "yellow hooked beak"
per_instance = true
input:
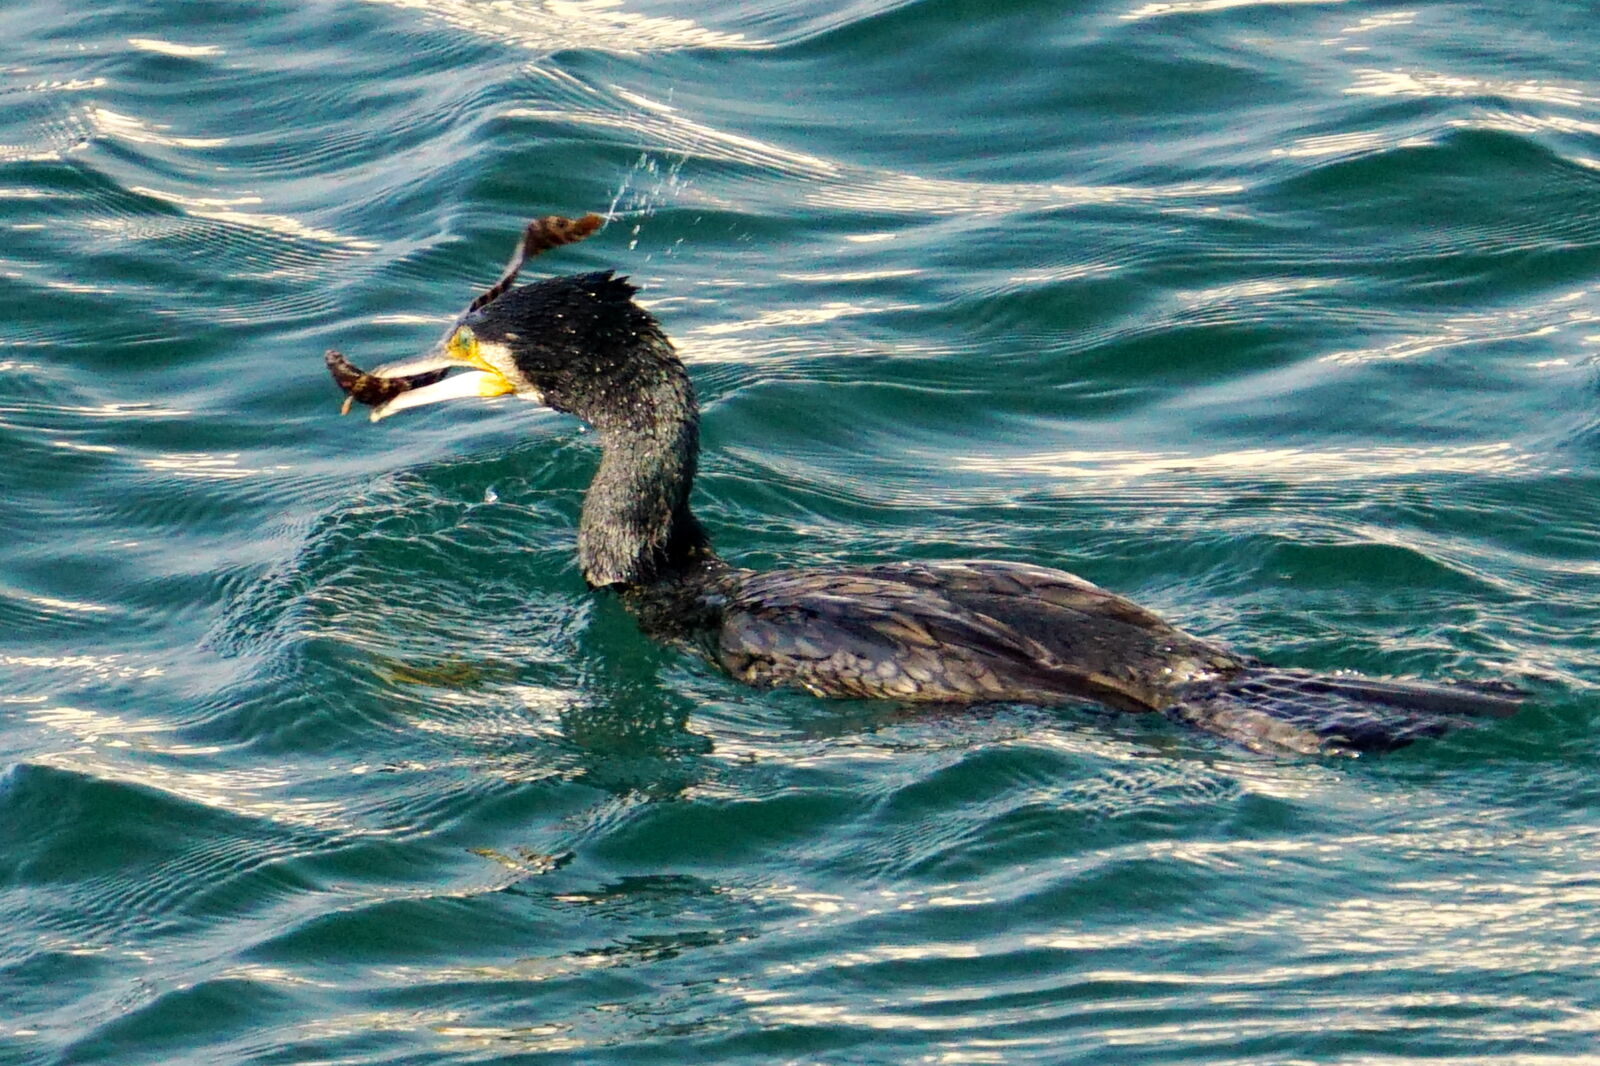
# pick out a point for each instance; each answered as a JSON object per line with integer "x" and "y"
{"x": 461, "y": 348}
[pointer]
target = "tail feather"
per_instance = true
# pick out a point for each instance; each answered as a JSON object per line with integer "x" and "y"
{"x": 1295, "y": 711}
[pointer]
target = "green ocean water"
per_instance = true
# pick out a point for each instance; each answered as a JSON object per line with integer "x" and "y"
{"x": 1281, "y": 319}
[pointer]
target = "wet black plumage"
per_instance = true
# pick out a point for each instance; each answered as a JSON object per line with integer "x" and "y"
{"x": 939, "y": 632}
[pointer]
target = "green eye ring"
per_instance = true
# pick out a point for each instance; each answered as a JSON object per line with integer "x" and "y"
{"x": 464, "y": 343}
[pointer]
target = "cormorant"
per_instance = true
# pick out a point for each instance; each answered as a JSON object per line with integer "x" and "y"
{"x": 962, "y": 632}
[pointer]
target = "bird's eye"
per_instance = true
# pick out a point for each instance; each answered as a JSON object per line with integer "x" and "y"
{"x": 464, "y": 344}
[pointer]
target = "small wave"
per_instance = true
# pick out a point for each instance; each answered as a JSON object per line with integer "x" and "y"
{"x": 172, "y": 48}
{"x": 1281, "y": 464}
{"x": 234, "y": 210}
{"x": 903, "y": 193}
{"x": 1163, "y": 8}
{"x": 668, "y": 132}
{"x": 1378, "y": 82}
{"x": 558, "y": 25}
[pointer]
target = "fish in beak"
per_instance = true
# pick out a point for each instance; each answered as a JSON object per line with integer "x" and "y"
{"x": 416, "y": 382}
{"x": 394, "y": 387}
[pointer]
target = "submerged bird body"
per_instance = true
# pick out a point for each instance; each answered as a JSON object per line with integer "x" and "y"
{"x": 959, "y": 632}
{"x": 939, "y": 632}
{"x": 985, "y": 631}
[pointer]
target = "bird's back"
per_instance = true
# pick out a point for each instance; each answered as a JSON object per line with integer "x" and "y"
{"x": 978, "y": 632}
{"x": 956, "y": 632}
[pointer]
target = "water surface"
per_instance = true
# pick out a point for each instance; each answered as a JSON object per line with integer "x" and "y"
{"x": 1280, "y": 318}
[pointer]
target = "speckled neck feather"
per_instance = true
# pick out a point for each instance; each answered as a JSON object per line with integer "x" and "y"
{"x": 636, "y": 526}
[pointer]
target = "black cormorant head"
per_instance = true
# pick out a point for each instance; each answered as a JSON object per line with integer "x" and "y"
{"x": 577, "y": 344}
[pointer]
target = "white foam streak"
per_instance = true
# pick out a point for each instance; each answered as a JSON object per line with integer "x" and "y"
{"x": 1201, "y": 7}
{"x": 1301, "y": 464}
{"x": 558, "y": 25}
{"x": 171, "y": 48}
{"x": 1373, "y": 82}
{"x": 202, "y": 466}
{"x": 914, "y": 194}
{"x": 114, "y": 124}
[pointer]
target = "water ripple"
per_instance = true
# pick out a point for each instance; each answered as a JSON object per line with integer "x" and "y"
{"x": 1278, "y": 315}
{"x": 555, "y": 25}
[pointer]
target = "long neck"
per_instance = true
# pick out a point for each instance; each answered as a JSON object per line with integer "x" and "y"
{"x": 636, "y": 526}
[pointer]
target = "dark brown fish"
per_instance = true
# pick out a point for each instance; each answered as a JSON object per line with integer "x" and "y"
{"x": 360, "y": 386}
{"x": 540, "y": 235}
